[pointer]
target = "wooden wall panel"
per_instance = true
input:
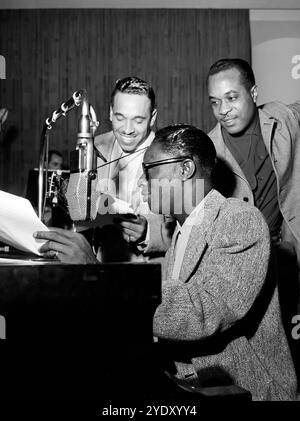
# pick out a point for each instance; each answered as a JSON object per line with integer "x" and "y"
{"x": 52, "y": 53}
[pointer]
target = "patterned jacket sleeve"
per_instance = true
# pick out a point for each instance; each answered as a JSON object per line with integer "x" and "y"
{"x": 225, "y": 284}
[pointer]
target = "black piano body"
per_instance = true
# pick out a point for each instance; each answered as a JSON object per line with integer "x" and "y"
{"x": 78, "y": 331}
{"x": 84, "y": 333}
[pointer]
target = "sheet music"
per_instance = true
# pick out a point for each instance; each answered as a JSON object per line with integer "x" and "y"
{"x": 22, "y": 262}
{"x": 18, "y": 222}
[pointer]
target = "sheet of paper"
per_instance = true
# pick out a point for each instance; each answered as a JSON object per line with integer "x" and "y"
{"x": 31, "y": 262}
{"x": 109, "y": 204}
{"x": 18, "y": 222}
{"x": 108, "y": 208}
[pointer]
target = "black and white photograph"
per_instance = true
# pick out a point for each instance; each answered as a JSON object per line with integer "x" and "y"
{"x": 149, "y": 205}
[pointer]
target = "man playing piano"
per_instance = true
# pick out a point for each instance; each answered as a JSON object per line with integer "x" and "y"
{"x": 219, "y": 319}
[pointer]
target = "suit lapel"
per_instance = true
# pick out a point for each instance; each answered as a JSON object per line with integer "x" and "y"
{"x": 279, "y": 147}
{"x": 224, "y": 153}
{"x": 105, "y": 143}
{"x": 266, "y": 126}
{"x": 197, "y": 242}
{"x": 194, "y": 251}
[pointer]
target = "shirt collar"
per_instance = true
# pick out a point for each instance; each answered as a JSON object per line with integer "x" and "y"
{"x": 253, "y": 129}
{"x": 195, "y": 217}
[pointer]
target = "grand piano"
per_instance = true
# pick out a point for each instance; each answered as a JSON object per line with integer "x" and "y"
{"x": 84, "y": 333}
{"x": 77, "y": 331}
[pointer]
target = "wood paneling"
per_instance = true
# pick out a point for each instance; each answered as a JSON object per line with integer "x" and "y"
{"x": 52, "y": 53}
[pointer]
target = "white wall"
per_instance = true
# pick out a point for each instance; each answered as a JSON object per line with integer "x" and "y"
{"x": 275, "y": 37}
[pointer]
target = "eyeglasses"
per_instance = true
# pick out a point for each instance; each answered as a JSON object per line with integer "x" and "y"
{"x": 172, "y": 160}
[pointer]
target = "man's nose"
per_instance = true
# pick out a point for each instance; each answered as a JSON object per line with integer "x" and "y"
{"x": 128, "y": 127}
{"x": 225, "y": 107}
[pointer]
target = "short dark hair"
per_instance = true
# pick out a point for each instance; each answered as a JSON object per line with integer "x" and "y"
{"x": 242, "y": 66}
{"x": 134, "y": 85}
{"x": 186, "y": 140}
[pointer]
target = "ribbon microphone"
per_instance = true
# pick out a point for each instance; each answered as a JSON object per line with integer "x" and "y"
{"x": 81, "y": 192}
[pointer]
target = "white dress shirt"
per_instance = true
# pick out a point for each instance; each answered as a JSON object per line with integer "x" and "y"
{"x": 183, "y": 235}
{"x": 126, "y": 173}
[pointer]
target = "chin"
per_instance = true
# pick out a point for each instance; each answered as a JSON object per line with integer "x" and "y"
{"x": 233, "y": 130}
{"x": 128, "y": 149}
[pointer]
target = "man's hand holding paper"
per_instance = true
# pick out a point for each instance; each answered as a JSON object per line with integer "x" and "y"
{"x": 18, "y": 222}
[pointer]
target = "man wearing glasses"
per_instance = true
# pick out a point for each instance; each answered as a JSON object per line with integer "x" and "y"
{"x": 219, "y": 318}
{"x": 219, "y": 321}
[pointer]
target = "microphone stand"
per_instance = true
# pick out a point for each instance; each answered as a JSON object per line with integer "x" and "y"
{"x": 65, "y": 107}
{"x": 43, "y": 148}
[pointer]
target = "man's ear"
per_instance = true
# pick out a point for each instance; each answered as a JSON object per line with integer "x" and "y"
{"x": 110, "y": 113}
{"x": 254, "y": 93}
{"x": 187, "y": 169}
{"x": 153, "y": 117}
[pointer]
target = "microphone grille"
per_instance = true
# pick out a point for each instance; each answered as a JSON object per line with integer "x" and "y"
{"x": 77, "y": 194}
